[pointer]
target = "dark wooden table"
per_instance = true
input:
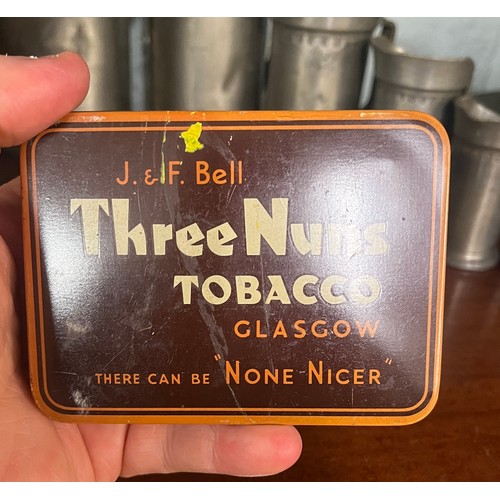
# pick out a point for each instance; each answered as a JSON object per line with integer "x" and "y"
{"x": 458, "y": 441}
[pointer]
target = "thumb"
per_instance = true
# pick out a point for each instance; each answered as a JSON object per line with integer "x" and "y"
{"x": 34, "y": 93}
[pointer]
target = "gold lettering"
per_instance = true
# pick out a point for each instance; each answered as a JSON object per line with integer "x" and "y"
{"x": 327, "y": 292}
{"x": 260, "y": 225}
{"x": 298, "y": 289}
{"x": 122, "y": 232}
{"x": 247, "y": 290}
{"x": 218, "y": 237}
{"x": 161, "y": 234}
{"x": 90, "y": 210}
{"x": 344, "y": 239}
{"x": 208, "y": 294}
{"x": 186, "y": 239}
{"x": 361, "y": 284}
{"x": 304, "y": 245}
{"x": 373, "y": 234}
{"x": 278, "y": 290}
{"x": 186, "y": 283}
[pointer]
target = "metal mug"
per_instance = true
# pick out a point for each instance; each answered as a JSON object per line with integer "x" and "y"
{"x": 318, "y": 62}
{"x": 207, "y": 63}
{"x": 103, "y": 42}
{"x": 424, "y": 84}
{"x": 474, "y": 226}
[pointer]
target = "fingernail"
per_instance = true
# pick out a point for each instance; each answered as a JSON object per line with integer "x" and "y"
{"x": 50, "y": 56}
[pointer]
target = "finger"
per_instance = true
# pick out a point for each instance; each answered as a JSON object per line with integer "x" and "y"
{"x": 8, "y": 318}
{"x": 10, "y": 217}
{"x": 34, "y": 93}
{"x": 104, "y": 444}
{"x": 237, "y": 450}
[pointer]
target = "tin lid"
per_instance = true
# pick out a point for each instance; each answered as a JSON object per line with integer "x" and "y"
{"x": 237, "y": 267}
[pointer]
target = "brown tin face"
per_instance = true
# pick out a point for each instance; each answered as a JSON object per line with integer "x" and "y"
{"x": 236, "y": 267}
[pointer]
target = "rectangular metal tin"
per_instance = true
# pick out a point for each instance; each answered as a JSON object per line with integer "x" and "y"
{"x": 361, "y": 172}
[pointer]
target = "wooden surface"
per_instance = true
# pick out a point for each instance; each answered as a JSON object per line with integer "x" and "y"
{"x": 459, "y": 441}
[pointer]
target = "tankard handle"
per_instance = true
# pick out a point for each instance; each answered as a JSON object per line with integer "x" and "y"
{"x": 388, "y": 29}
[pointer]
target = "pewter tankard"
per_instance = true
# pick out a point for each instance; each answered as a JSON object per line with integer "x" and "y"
{"x": 207, "y": 63}
{"x": 103, "y": 42}
{"x": 474, "y": 227}
{"x": 407, "y": 82}
{"x": 318, "y": 63}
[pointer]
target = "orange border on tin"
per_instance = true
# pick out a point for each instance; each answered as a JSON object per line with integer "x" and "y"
{"x": 88, "y": 118}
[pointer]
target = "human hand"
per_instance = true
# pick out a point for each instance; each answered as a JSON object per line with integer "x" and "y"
{"x": 34, "y": 93}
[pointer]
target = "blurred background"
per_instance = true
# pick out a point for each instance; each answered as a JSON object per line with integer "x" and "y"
{"x": 124, "y": 47}
{"x": 477, "y": 38}
{"x": 448, "y": 67}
